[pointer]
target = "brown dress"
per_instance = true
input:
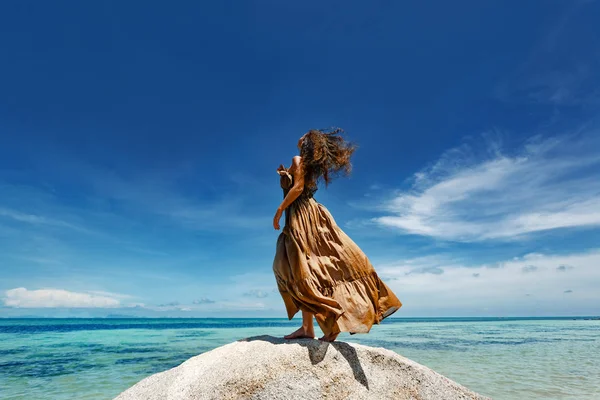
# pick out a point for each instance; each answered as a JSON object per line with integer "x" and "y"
{"x": 319, "y": 269}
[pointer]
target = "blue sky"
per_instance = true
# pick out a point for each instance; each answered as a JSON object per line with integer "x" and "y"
{"x": 139, "y": 142}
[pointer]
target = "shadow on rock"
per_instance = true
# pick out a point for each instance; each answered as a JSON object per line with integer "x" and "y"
{"x": 318, "y": 349}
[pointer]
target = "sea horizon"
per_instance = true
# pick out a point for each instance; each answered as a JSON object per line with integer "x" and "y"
{"x": 97, "y": 358}
{"x": 478, "y": 318}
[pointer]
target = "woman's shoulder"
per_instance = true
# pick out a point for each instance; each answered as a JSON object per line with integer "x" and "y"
{"x": 296, "y": 164}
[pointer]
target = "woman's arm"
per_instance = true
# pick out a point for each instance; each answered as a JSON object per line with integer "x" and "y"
{"x": 298, "y": 188}
{"x": 294, "y": 192}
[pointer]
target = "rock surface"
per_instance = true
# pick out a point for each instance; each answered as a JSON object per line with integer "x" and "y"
{"x": 265, "y": 367}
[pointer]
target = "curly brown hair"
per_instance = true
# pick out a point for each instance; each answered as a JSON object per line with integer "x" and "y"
{"x": 325, "y": 155}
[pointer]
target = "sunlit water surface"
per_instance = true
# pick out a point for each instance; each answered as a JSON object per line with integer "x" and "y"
{"x": 99, "y": 358}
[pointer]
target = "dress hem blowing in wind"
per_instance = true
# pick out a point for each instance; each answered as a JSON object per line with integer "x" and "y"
{"x": 319, "y": 269}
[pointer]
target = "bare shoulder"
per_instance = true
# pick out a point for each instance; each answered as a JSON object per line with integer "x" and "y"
{"x": 296, "y": 163}
{"x": 296, "y": 168}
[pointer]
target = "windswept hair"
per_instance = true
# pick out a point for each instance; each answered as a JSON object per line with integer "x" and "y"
{"x": 325, "y": 155}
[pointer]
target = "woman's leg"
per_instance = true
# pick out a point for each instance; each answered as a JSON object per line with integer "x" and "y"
{"x": 306, "y": 331}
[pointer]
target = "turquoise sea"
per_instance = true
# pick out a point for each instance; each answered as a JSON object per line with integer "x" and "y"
{"x": 505, "y": 358}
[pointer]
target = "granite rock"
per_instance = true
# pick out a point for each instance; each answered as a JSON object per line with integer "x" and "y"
{"x": 265, "y": 367}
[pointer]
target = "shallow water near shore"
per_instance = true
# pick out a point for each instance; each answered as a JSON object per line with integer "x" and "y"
{"x": 524, "y": 358}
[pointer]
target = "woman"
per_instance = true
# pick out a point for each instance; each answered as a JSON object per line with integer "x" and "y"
{"x": 318, "y": 268}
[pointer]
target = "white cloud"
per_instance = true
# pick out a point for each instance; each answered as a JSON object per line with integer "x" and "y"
{"x": 114, "y": 295}
{"x": 549, "y": 184}
{"x": 57, "y": 298}
{"x": 530, "y": 285}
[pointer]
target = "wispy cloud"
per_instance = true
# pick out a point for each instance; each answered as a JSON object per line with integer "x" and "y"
{"x": 499, "y": 287}
{"x": 35, "y": 219}
{"x": 547, "y": 76}
{"x": 203, "y": 300}
{"x": 126, "y": 197}
{"x": 572, "y": 87}
{"x": 119, "y": 296}
{"x": 260, "y": 294}
{"x": 57, "y": 298}
{"x": 548, "y": 184}
{"x": 217, "y": 211}
{"x": 170, "y": 304}
{"x": 39, "y": 260}
{"x": 207, "y": 306}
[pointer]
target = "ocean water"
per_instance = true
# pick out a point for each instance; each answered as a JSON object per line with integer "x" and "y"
{"x": 99, "y": 358}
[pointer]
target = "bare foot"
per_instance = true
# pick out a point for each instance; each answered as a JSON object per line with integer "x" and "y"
{"x": 329, "y": 338}
{"x": 301, "y": 333}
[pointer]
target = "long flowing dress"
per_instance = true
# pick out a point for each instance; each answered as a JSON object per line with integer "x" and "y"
{"x": 319, "y": 269}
